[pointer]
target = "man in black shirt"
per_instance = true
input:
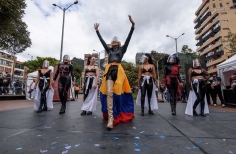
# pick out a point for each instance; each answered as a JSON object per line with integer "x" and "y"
{"x": 216, "y": 89}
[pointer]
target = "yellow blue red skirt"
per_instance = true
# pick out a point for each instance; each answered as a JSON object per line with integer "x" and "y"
{"x": 123, "y": 103}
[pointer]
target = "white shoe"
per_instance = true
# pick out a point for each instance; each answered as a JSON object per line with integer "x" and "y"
{"x": 223, "y": 105}
{"x": 214, "y": 104}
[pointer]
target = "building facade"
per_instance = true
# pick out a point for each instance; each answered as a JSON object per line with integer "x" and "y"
{"x": 7, "y": 63}
{"x": 214, "y": 20}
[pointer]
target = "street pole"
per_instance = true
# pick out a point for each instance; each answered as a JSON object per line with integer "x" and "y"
{"x": 158, "y": 75}
{"x": 62, "y": 36}
{"x": 175, "y": 42}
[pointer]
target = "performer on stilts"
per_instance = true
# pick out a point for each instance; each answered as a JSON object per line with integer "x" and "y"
{"x": 116, "y": 96}
{"x": 90, "y": 85}
{"x": 65, "y": 69}
{"x": 43, "y": 94}
{"x": 172, "y": 79}
{"x": 147, "y": 83}
{"x": 197, "y": 77}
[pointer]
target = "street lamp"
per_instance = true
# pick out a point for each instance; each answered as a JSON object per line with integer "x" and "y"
{"x": 30, "y": 56}
{"x": 175, "y": 42}
{"x": 99, "y": 61}
{"x": 64, "y": 10}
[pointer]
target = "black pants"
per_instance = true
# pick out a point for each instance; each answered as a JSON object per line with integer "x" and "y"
{"x": 43, "y": 89}
{"x": 90, "y": 84}
{"x": 172, "y": 89}
{"x": 147, "y": 87}
{"x": 76, "y": 94}
{"x": 183, "y": 95}
{"x": 112, "y": 73}
{"x": 217, "y": 91}
{"x": 208, "y": 93}
{"x": 64, "y": 85}
{"x": 200, "y": 91}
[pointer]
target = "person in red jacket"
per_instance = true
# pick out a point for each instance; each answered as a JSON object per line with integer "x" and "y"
{"x": 172, "y": 79}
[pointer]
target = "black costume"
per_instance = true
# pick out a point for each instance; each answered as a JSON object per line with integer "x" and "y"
{"x": 199, "y": 87}
{"x": 43, "y": 84}
{"x": 216, "y": 90}
{"x": 172, "y": 80}
{"x": 64, "y": 83}
{"x": 88, "y": 79}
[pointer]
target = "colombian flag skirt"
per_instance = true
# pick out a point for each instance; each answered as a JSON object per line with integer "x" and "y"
{"x": 123, "y": 103}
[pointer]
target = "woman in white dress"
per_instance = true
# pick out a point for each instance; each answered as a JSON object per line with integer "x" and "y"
{"x": 147, "y": 83}
{"x": 197, "y": 77}
{"x": 43, "y": 93}
{"x": 90, "y": 78}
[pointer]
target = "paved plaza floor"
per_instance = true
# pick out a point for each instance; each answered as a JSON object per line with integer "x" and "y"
{"x": 27, "y": 132}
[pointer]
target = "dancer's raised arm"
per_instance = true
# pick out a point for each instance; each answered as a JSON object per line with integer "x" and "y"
{"x": 125, "y": 46}
{"x": 96, "y": 25}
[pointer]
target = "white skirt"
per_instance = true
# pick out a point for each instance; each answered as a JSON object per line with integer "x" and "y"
{"x": 153, "y": 102}
{"x": 191, "y": 99}
{"x": 90, "y": 102}
{"x": 49, "y": 98}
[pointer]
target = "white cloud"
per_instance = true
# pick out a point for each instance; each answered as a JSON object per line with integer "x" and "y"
{"x": 154, "y": 19}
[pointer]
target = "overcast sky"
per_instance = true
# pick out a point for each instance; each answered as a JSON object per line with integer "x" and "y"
{"x": 154, "y": 19}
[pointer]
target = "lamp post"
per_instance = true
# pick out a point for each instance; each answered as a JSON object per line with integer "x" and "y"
{"x": 30, "y": 56}
{"x": 62, "y": 36}
{"x": 175, "y": 42}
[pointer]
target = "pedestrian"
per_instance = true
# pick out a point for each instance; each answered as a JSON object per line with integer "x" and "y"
{"x": 208, "y": 91}
{"x": 162, "y": 91}
{"x": 18, "y": 87}
{"x": 216, "y": 90}
{"x": 115, "y": 83}
{"x": 8, "y": 76}
{"x": 66, "y": 72}
{"x": 167, "y": 95}
{"x": 183, "y": 92}
{"x": 172, "y": 79}
{"x": 147, "y": 83}
{"x": 5, "y": 85}
{"x": 233, "y": 83}
{"x": 31, "y": 88}
{"x": 76, "y": 89}
{"x": 43, "y": 89}
{"x": 90, "y": 79}
{"x": 197, "y": 77}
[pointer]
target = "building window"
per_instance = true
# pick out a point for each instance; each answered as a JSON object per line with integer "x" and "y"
{"x": 224, "y": 20}
{"x": 221, "y": 5}
{"x": 214, "y": 5}
{"x": 8, "y": 70}
{"x": 1, "y": 68}
{"x": 225, "y": 28}
{"x": 223, "y": 12}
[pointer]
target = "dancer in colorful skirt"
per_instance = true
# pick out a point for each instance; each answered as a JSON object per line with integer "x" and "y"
{"x": 43, "y": 93}
{"x": 90, "y": 78}
{"x": 116, "y": 96}
{"x": 147, "y": 83}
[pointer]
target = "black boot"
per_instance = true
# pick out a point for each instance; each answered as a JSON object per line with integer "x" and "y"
{"x": 89, "y": 113}
{"x": 45, "y": 108}
{"x": 173, "y": 110}
{"x": 150, "y": 112}
{"x": 40, "y": 108}
{"x": 195, "y": 113}
{"x": 142, "y": 111}
{"x": 63, "y": 109}
{"x": 202, "y": 109}
{"x": 83, "y": 113}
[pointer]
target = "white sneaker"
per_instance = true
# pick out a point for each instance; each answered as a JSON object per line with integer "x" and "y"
{"x": 214, "y": 104}
{"x": 223, "y": 105}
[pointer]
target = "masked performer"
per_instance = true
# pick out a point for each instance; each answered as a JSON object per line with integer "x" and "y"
{"x": 172, "y": 79}
{"x": 90, "y": 76}
{"x": 146, "y": 79}
{"x": 65, "y": 69}
{"x": 116, "y": 97}
{"x": 196, "y": 78}
{"x": 43, "y": 89}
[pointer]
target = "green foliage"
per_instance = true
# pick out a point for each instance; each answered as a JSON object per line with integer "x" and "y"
{"x": 190, "y": 54}
{"x": 77, "y": 72}
{"x": 33, "y": 65}
{"x": 131, "y": 72}
{"x": 14, "y": 37}
{"x": 232, "y": 41}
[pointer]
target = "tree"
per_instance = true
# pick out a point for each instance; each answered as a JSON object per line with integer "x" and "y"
{"x": 232, "y": 43}
{"x": 33, "y": 65}
{"x": 77, "y": 72}
{"x": 131, "y": 72}
{"x": 190, "y": 54}
{"x": 14, "y": 37}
